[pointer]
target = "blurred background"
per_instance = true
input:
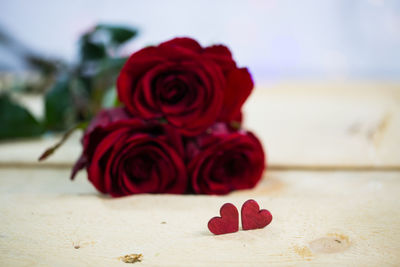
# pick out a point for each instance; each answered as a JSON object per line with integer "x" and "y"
{"x": 59, "y": 60}
{"x": 306, "y": 39}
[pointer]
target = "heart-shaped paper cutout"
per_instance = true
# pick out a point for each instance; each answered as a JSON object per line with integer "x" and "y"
{"x": 227, "y": 223}
{"x": 253, "y": 217}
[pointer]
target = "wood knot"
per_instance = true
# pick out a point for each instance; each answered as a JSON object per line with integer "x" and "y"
{"x": 332, "y": 243}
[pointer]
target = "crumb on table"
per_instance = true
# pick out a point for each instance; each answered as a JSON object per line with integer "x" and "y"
{"x": 131, "y": 258}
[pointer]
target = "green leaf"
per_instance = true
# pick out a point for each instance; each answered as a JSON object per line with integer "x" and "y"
{"x": 118, "y": 34}
{"x": 111, "y": 64}
{"x": 236, "y": 125}
{"x": 91, "y": 50}
{"x": 162, "y": 121}
{"x": 59, "y": 106}
{"x": 16, "y": 121}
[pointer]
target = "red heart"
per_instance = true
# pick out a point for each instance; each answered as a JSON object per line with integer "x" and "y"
{"x": 227, "y": 223}
{"x": 253, "y": 217}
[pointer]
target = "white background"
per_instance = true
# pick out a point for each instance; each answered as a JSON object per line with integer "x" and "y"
{"x": 308, "y": 39}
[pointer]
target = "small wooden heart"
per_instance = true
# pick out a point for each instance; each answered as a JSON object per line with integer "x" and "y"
{"x": 253, "y": 217}
{"x": 227, "y": 223}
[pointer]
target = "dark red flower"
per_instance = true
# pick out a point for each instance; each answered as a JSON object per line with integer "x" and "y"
{"x": 125, "y": 155}
{"x": 224, "y": 160}
{"x": 190, "y": 86}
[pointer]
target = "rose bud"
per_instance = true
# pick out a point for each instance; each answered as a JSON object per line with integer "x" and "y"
{"x": 223, "y": 160}
{"x": 125, "y": 156}
{"x": 190, "y": 86}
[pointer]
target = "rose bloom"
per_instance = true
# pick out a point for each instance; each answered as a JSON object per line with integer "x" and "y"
{"x": 223, "y": 159}
{"x": 125, "y": 155}
{"x": 190, "y": 86}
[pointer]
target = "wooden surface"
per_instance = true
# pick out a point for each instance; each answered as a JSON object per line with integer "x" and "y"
{"x": 320, "y": 218}
{"x": 302, "y": 125}
{"x": 328, "y": 125}
{"x": 332, "y": 187}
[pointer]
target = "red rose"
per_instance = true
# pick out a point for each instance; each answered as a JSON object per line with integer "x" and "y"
{"x": 126, "y": 156}
{"x": 224, "y": 160}
{"x": 190, "y": 86}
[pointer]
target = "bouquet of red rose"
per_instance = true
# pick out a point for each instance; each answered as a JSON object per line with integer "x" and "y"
{"x": 179, "y": 128}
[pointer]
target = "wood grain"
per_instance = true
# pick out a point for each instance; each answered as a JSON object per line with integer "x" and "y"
{"x": 320, "y": 218}
{"x": 336, "y": 209}
{"x": 328, "y": 124}
{"x": 302, "y": 125}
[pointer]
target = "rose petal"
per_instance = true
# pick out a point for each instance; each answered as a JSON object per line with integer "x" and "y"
{"x": 224, "y": 160}
{"x": 184, "y": 42}
{"x": 221, "y": 55}
{"x": 239, "y": 87}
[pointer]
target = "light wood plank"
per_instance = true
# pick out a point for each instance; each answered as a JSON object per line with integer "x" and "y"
{"x": 302, "y": 125}
{"x": 328, "y": 124}
{"x": 320, "y": 218}
{"x": 26, "y": 152}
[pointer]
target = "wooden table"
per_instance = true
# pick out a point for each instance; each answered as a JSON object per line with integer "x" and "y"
{"x": 333, "y": 187}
